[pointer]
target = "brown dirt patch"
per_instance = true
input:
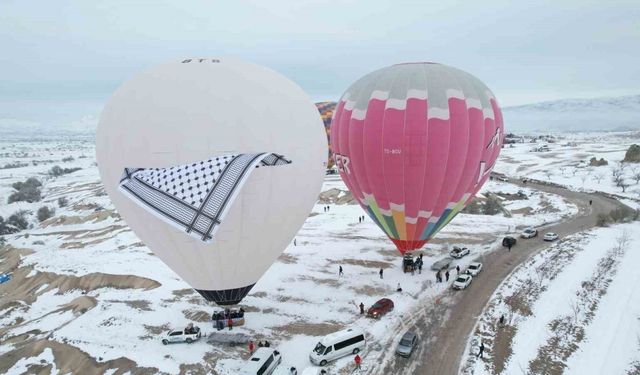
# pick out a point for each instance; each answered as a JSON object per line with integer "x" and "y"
{"x": 197, "y": 316}
{"x": 311, "y": 329}
{"x": 70, "y": 360}
{"x": 288, "y": 258}
{"x": 502, "y": 347}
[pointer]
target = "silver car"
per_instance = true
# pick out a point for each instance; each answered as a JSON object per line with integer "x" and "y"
{"x": 407, "y": 343}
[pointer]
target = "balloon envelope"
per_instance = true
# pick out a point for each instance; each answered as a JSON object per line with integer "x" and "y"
{"x": 161, "y": 134}
{"x": 414, "y": 143}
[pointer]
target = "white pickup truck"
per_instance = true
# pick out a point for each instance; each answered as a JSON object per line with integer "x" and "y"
{"x": 182, "y": 335}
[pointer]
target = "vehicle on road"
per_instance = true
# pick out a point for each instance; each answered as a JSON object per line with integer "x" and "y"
{"x": 407, "y": 343}
{"x": 182, "y": 335}
{"x": 459, "y": 252}
{"x": 474, "y": 268}
{"x": 462, "y": 281}
{"x": 444, "y": 263}
{"x": 509, "y": 241}
{"x": 529, "y": 233}
{"x": 337, "y": 345}
{"x": 262, "y": 362}
{"x": 550, "y": 236}
{"x": 380, "y": 308}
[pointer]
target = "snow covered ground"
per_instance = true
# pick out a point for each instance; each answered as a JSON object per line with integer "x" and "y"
{"x": 574, "y": 308}
{"x": 568, "y": 162}
{"x": 86, "y": 282}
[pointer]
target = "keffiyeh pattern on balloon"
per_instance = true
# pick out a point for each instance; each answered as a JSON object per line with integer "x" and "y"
{"x": 194, "y": 197}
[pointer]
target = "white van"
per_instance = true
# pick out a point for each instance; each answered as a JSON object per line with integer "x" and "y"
{"x": 338, "y": 344}
{"x": 262, "y": 362}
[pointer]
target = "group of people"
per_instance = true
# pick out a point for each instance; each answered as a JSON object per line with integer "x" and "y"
{"x": 220, "y": 317}
{"x": 411, "y": 265}
{"x": 326, "y": 208}
{"x": 446, "y": 274}
{"x": 360, "y": 219}
{"x": 190, "y": 329}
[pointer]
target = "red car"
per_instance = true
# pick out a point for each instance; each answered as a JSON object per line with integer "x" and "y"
{"x": 380, "y": 308}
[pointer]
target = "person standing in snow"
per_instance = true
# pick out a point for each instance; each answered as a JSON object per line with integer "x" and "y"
{"x": 399, "y": 288}
{"x": 361, "y": 308}
{"x": 457, "y": 270}
{"x": 357, "y": 360}
{"x": 590, "y": 202}
{"x": 446, "y": 275}
{"x": 481, "y": 350}
{"x": 502, "y": 319}
{"x": 340, "y": 273}
{"x": 420, "y": 267}
{"x": 230, "y": 324}
{"x": 295, "y": 242}
{"x": 381, "y": 273}
{"x": 251, "y": 347}
{"x": 438, "y": 277}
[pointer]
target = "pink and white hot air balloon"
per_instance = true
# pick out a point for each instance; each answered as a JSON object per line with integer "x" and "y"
{"x": 414, "y": 143}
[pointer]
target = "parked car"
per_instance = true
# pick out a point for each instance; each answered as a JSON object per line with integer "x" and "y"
{"x": 459, "y": 252}
{"x": 509, "y": 241}
{"x": 462, "y": 281}
{"x": 529, "y": 233}
{"x": 550, "y": 236}
{"x": 474, "y": 269}
{"x": 407, "y": 343}
{"x": 380, "y": 308}
{"x": 444, "y": 263}
{"x": 262, "y": 362}
{"x": 337, "y": 345}
{"x": 182, "y": 335}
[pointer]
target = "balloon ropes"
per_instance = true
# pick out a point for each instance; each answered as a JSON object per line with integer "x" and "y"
{"x": 414, "y": 143}
{"x": 214, "y": 163}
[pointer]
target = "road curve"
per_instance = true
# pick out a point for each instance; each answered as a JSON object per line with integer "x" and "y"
{"x": 446, "y": 325}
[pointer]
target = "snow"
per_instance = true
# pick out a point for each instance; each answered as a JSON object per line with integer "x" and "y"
{"x": 299, "y": 300}
{"x": 610, "y": 341}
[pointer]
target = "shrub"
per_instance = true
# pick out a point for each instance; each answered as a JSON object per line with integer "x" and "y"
{"x": 28, "y": 191}
{"x": 57, "y": 171}
{"x": 19, "y": 220}
{"x": 491, "y": 206}
{"x": 622, "y": 214}
{"x": 62, "y": 202}
{"x": 68, "y": 159}
{"x": 2, "y": 241}
{"x": 473, "y": 208}
{"x": 45, "y": 213}
{"x": 602, "y": 220}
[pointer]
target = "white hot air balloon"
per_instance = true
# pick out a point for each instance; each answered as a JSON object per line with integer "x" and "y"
{"x": 214, "y": 164}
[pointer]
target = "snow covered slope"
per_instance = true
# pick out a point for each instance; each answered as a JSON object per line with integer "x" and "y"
{"x": 598, "y": 114}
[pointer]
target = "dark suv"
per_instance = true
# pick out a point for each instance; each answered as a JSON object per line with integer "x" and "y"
{"x": 508, "y": 242}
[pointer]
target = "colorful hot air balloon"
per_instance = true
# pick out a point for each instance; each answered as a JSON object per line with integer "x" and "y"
{"x": 214, "y": 164}
{"x": 414, "y": 143}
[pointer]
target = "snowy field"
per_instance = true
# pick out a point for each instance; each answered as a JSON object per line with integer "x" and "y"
{"x": 85, "y": 290}
{"x": 574, "y": 308}
{"x": 568, "y": 162}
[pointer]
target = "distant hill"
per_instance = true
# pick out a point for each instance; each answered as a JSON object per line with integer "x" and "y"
{"x": 620, "y": 113}
{"x": 597, "y": 114}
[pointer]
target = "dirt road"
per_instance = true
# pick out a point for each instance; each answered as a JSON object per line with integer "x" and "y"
{"x": 446, "y": 325}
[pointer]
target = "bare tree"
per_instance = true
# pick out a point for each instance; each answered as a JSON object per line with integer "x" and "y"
{"x": 618, "y": 177}
{"x": 575, "y": 309}
{"x": 599, "y": 177}
{"x": 622, "y": 241}
{"x": 583, "y": 178}
{"x": 636, "y": 176}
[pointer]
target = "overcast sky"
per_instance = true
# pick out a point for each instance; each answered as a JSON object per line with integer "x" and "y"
{"x": 526, "y": 51}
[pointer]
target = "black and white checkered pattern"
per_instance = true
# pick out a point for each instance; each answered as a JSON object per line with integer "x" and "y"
{"x": 194, "y": 197}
